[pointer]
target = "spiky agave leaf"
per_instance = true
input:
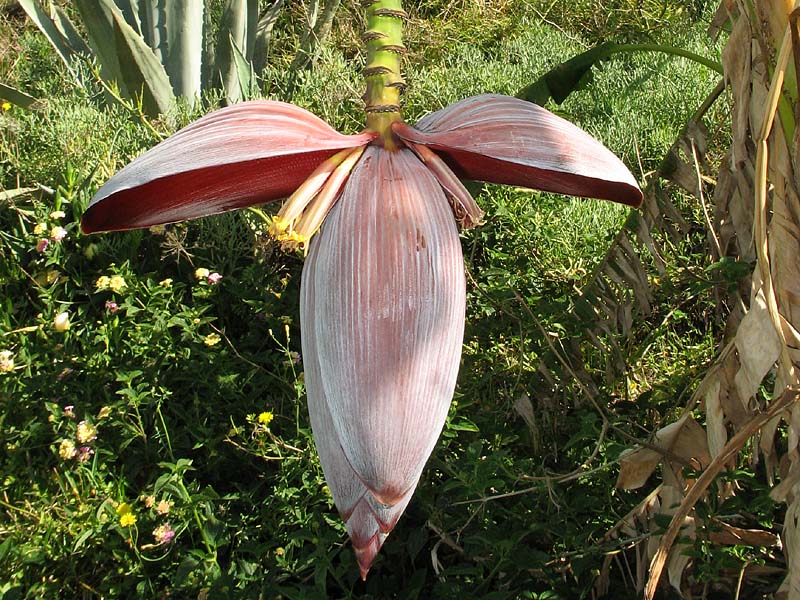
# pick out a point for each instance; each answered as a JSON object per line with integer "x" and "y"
{"x": 246, "y": 154}
{"x": 382, "y": 314}
{"x": 506, "y": 140}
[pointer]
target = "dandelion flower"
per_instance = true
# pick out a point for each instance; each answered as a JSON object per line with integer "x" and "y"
{"x": 86, "y": 432}
{"x": 117, "y": 283}
{"x": 67, "y": 450}
{"x": 6, "y": 361}
{"x": 39, "y": 229}
{"x": 58, "y": 233}
{"x": 166, "y": 283}
{"x": 213, "y": 278}
{"x": 57, "y": 214}
{"x": 212, "y": 339}
{"x": 42, "y": 245}
{"x": 164, "y": 507}
{"x": 127, "y": 520}
{"x": 265, "y": 418}
{"x": 61, "y": 322}
{"x": 202, "y": 273}
{"x": 164, "y": 533}
{"x": 5, "y": 106}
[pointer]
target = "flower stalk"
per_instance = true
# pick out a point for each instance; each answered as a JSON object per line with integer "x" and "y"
{"x": 385, "y": 83}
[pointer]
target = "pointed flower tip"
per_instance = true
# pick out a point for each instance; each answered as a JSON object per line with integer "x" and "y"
{"x": 366, "y": 555}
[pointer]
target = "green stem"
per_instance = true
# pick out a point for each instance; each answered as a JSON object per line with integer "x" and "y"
{"x": 384, "y": 37}
{"x": 673, "y": 50}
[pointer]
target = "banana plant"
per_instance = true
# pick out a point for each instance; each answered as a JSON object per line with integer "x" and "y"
{"x": 383, "y": 287}
{"x": 158, "y": 50}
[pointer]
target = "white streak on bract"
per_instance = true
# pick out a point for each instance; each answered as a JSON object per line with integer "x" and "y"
{"x": 382, "y": 314}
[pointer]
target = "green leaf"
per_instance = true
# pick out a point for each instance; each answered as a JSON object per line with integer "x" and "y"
{"x": 16, "y": 96}
{"x": 82, "y": 539}
{"x": 51, "y": 31}
{"x": 559, "y": 82}
{"x": 143, "y": 74}
{"x": 183, "y": 29}
{"x": 245, "y": 75}
{"x": 263, "y": 35}
{"x": 97, "y": 18}
{"x": 562, "y": 80}
{"x": 232, "y": 34}
{"x": 70, "y": 32}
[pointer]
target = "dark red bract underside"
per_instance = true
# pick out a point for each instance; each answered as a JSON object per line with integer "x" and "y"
{"x": 201, "y": 192}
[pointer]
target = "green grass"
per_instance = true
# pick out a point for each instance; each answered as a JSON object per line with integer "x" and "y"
{"x": 176, "y": 411}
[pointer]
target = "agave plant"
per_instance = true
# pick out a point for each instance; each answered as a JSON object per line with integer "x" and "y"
{"x": 383, "y": 288}
{"x": 158, "y": 50}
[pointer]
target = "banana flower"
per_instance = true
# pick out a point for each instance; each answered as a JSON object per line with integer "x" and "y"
{"x": 383, "y": 287}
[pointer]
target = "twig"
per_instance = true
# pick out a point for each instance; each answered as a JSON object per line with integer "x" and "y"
{"x": 701, "y": 195}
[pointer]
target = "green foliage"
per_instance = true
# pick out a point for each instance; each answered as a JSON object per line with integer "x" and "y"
{"x": 195, "y": 388}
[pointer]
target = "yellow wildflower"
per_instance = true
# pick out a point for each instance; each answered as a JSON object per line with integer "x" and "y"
{"x": 127, "y": 520}
{"x": 265, "y": 418}
{"x": 61, "y": 322}
{"x": 86, "y": 432}
{"x": 6, "y": 361}
{"x": 58, "y": 233}
{"x": 5, "y": 106}
{"x": 102, "y": 283}
{"x": 202, "y": 273}
{"x": 39, "y": 229}
{"x": 67, "y": 450}
{"x": 212, "y": 339}
{"x": 117, "y": 283}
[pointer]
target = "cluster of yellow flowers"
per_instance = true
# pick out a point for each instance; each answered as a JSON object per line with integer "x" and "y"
{"x": 115, "y": 283}
{"x": 57, "y": 232}
{"x": 212, "y": 339}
